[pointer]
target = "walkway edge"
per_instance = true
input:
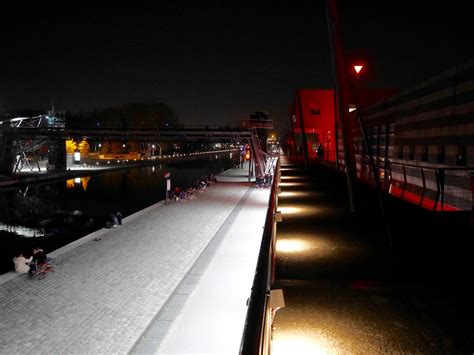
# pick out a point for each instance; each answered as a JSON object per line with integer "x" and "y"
{"x": 201, "y": 263}
{"x": 68, "y": 247}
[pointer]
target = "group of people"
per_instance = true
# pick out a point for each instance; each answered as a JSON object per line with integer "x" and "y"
{"x": 198, "y": 185}
{"x": 263, "y": 181}
{"x": 29, "y": 265}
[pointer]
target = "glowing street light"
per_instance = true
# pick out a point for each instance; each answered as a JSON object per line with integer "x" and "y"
{"x": 358, "y": 68}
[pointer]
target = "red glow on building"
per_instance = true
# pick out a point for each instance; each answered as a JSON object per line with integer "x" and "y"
{"x": 318, "y": 112}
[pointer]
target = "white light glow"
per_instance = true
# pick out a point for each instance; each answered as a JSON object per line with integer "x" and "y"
{"x": 301, "y": 345}
{"x": 291, "y": 177}
{"x": 289, "y": 209}
{"x": 22, "y": 231}
{"x": 291, "y": 246}
{"x": 358, "y": 68}
{"x": 292, "y": 194}
{"x": 291, "y": 183}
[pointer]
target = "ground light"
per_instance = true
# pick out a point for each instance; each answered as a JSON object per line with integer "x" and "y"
{"x": 289, "y": 194}
{"x": 294, "y": 194}
{"x": 286, "y": 177}
{"x": 289, "y": 209}
{"x": 300, "y": 210}
{"x": 284, "y": 184}
{"x": 302, "y": 344}
{"x": 291, "y": 246}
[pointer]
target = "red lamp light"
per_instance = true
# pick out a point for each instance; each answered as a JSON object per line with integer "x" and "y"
{"x": 358, "y": 68}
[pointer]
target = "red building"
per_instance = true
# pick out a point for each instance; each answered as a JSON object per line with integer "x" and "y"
{"x": 314, "y": 109}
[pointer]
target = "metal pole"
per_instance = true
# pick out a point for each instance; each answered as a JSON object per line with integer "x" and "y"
{"x": 303, "y": 133}
{"x": 339, "y": 73}
{"x": 250, "y": 161}
{"x": 336, "y": 128}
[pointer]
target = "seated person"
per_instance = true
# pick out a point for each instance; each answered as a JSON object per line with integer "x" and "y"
{"x": 113, "y": 220}
{"x": 119, "y": 217}
{"x": 190, "y": 194}
{"x": 182, "y": 195}
{"x": 22, "y": 263}
{"x": 39, "y": 256}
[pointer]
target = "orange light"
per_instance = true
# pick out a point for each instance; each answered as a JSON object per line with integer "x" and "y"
{"x": 358, "y": 68}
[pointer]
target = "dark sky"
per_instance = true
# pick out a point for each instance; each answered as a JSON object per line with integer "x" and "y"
{"x": 215, "y": 62}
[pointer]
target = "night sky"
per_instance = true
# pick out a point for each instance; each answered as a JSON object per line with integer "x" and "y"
{"x": 215, "y": 62}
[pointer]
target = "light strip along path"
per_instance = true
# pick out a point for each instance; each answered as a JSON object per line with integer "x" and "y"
{"x": 104, "y": 294}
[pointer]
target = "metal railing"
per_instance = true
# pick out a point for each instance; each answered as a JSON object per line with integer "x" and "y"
{"x": 437, "y": 188}
{"x": 256, "y": 335}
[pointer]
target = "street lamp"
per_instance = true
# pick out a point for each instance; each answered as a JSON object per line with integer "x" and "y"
{"x": 153, "y": 150}
{"x": 358, "y": 68}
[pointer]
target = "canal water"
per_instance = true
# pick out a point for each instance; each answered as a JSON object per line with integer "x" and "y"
{"x": 51, "y": 215}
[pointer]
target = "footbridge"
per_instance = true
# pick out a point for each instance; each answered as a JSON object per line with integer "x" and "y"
{"x": 22, "y": 137}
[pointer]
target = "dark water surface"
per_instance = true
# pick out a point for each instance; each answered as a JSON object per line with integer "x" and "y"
{"x": 54, "y": 214}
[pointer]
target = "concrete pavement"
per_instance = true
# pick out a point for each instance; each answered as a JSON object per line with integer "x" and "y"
{"x": 108, "y": 287}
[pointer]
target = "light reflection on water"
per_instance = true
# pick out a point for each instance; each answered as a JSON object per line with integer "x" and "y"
{"x": 57, "y": 213}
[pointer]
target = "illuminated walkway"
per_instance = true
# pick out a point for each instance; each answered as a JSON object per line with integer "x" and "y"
{"x": 109, "y": 286}
{"x": 346, "y": 292}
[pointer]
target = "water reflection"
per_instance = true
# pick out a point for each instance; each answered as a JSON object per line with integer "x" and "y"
{"x": 82, "y": 181}
{"x": 57, "y": 213}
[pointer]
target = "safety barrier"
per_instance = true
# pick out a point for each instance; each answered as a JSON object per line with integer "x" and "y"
{"x": 256, "y": 335}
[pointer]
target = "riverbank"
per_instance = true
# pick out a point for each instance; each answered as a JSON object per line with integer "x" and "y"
{"x": 109, "y": 286}
{"x": 26, "y": 178}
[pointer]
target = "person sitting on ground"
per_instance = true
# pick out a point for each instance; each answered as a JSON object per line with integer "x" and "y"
{"x": 22, "y": 263}
{"x": 39, "y": 257}
{"x": 119, "y": 217}
{"x": 202, "y": 186}
{"x": 177, "y": 191}
{"x": 182, "y": 195}
{"x": 190, "y": 193}
{"x": 113, "y": 220}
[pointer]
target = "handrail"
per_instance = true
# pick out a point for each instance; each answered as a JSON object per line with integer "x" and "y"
{"x": 254, "y": 329}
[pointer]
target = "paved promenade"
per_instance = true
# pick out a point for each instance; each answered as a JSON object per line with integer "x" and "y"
{"x": 105, "y": 293}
